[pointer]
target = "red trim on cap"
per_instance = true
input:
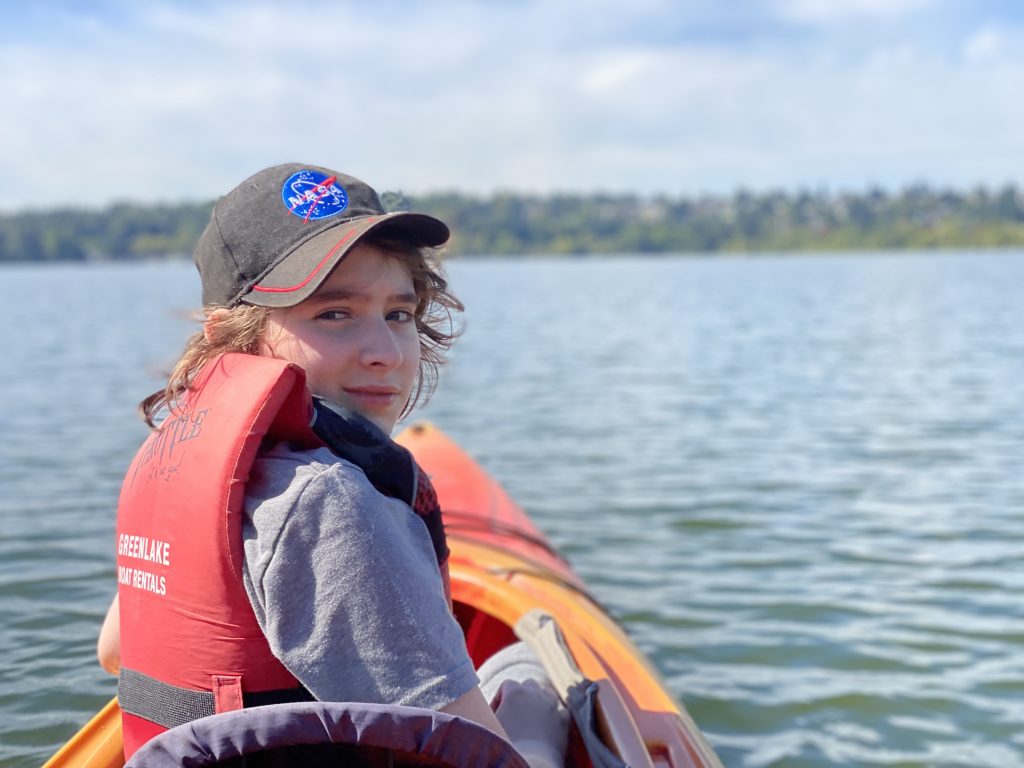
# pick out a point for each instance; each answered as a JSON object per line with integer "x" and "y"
{"x": 316, "y": 269}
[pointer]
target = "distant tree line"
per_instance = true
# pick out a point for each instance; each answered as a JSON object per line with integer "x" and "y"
{"x": 120, "y": 232}
{"x": 521, "y": 224}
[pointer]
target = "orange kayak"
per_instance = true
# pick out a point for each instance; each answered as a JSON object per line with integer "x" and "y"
{"x": 502, "y": 568}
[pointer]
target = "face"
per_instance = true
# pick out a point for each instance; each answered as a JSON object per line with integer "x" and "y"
{"x": 356, "y": 336}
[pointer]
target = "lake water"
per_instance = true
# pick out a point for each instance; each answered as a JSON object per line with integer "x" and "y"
{"x": 797, "y": 480}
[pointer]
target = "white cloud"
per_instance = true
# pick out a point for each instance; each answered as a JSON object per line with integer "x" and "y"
{"x": 838, "y": 11}
{"x": 536, "y": 96}
{"x": 985, "y": 44}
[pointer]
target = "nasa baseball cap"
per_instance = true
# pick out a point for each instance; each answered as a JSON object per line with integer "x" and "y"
{"x": 274, "y": 238}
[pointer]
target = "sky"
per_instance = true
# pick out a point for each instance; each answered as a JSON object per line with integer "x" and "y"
{"x": 162, "y": 101}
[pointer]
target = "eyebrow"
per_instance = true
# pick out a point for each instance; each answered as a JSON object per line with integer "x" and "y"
{"x": 344, "y": 294}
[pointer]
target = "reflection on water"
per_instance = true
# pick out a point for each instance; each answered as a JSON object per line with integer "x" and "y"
{"x": 794, "y": 479}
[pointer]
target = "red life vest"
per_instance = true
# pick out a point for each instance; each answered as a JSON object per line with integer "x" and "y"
{"x": 190, "y": 641}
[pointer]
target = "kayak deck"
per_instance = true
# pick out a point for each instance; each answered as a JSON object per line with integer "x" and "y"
{"x": 501, "y": 569}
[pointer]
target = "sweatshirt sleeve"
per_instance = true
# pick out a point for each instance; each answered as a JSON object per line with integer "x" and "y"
{"x": 345, "y": 586}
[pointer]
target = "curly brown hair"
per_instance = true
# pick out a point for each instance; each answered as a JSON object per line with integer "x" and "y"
{"x": 240, "y": 329}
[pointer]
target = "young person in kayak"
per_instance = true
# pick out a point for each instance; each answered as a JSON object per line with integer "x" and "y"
{"x": 277, "y": 547}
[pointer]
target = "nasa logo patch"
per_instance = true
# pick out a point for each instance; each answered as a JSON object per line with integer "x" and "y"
{"x": 313, "y": 195}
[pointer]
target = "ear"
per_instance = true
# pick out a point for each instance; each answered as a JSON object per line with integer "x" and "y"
{"x": 210, "y": 324}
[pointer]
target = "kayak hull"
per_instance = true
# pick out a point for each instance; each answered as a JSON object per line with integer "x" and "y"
{"x": 502, "y": 567}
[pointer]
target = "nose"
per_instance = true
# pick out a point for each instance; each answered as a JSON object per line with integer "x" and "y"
{"x": 380, "y": 348}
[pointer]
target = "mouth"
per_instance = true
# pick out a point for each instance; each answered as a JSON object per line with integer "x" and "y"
{"x": 372, "y": 397}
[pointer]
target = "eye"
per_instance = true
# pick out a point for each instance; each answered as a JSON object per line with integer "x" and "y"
{"x": 401, "y": 316}
{"x": 334, "y": 314}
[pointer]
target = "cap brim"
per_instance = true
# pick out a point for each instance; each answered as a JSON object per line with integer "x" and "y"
{"x": 296, "y": 277}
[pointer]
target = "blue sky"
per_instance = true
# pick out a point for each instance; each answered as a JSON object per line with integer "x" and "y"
{"x": 162, "y": 101}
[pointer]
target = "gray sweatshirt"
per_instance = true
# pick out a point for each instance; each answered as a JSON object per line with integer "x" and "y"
{"x": 345, "y": 585}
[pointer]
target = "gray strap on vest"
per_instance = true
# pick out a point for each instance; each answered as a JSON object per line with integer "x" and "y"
{"x": 161, "y": 703}
{"x": 170, "y": 706}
